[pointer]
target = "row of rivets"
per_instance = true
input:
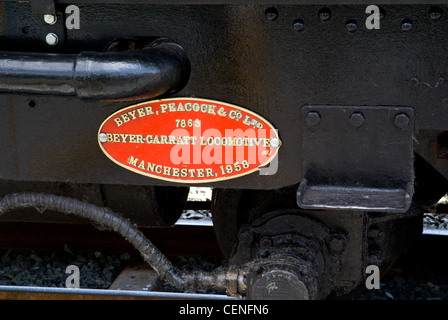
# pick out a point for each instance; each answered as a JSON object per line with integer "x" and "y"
{"x": 357, "y": 119}
{"x": 324, "y": 14}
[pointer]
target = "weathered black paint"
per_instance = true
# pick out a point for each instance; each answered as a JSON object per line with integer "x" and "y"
{"x": 282, "y": 63}
{"x": 239, "y": 56}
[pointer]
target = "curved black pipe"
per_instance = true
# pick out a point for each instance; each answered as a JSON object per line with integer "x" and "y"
{"x": 159, "y": 68}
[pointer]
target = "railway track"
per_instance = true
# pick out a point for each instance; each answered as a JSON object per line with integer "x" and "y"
{"x": 188, "y": 238}
{"x": 45, "y": 293}
{"x": 136, "y": 281}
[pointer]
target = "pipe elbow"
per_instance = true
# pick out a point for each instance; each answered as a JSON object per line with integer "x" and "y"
{"x": 160, "y": 68}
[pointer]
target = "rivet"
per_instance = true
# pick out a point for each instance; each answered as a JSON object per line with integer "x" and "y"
{"x": 435, "y": 13}
{"x": 52, "y": 39}
{"x": 324, "y": 14}
{"x": 407, "y": 25}
{"x": 401, "y": 120}
{"x": 312, "y": 118}
{"x": 102, "y": 137}
{"x": 274, "y": 143}
{"x": 356, "y": 119}
{"x": 271, "y": 14}
{"x": 351, "y": 25}
{"x": 50, "y": 19}
{"x": 413, "y": 82}
{"x": 299, "y": 25}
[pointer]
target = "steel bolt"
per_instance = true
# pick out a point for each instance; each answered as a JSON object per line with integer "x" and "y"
{"x": 401, "y": 120}
{"x": 312, "y": 118}
{"x": 337, "y": 243}
{"x": 245, "y": 238}
{"x": 356, "y": 119}
{"x": 407, "y": 25}
{"x": 50, "y": 19}
{"x": 52, "y": 39}
{"x": 102, "y": 137}
{"x": 265, "y": 242}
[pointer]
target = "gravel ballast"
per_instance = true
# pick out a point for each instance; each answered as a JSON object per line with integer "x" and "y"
{"x": 421, "y": 274}
{"x": 48, "y": 269}
{"x": 418, "y": 276}
{"x": 408, "y": 279}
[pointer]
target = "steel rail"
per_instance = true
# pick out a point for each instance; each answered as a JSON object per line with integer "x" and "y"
{"x": 220, "y": 278}
{"x": 437, "y": 232}
{"x": 50, "y": 293}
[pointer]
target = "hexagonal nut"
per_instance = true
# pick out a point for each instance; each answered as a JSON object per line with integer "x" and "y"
{"x": 52, "y": 39}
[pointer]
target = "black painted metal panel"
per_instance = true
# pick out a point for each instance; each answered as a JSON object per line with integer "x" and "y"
{"x": 239, "y": 55}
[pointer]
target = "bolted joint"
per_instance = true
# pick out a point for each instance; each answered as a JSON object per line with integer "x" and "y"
{"x": 287, "y": 265}
{"x": 52, "y": 39}
{"x": 50, "y": 19}
{"x": 356, "y": 119}
{"x": 401, "y": 120}
{"x": 336, "y": 243}
{"x": 312, "y": 118}
{"x": 265, "y": 242}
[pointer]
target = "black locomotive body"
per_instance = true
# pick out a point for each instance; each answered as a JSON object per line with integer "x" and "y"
{"x": 356, "y": 93}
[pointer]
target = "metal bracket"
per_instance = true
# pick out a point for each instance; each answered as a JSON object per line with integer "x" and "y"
{"x": 52, "y": 23}
{"x": 357, "y": 158}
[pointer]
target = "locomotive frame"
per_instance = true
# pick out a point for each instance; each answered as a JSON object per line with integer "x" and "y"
{"x": 360, "y": 112}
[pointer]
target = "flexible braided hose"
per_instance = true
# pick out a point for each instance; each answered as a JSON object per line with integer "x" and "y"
{"x": 104, "y": 217}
